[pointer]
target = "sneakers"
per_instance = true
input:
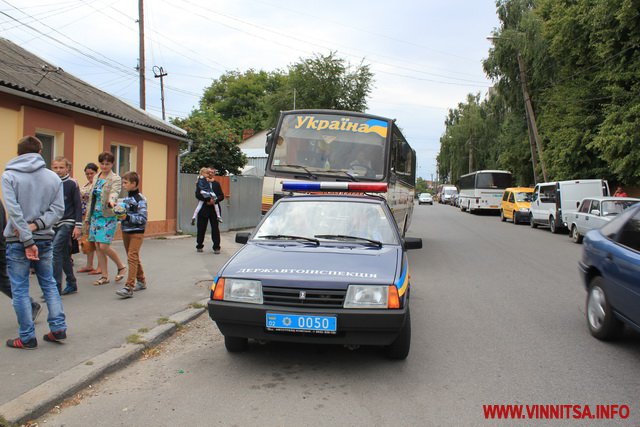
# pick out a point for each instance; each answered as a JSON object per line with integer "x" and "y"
{"x": 57, "y": 336}
{"x": 198, "y": 249}
{"x": 193, "y": 221}
{"x": 35, "y": 310}
{"x": 18, "y": 343}
{"x": 70, "y": 290}
{"x": 216, "y": 251}
{"x": 140, "y": 286}
{"x": 125, "y": 292}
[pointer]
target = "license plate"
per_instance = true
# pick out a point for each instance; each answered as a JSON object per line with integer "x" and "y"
{"x": 493, "y": 206}
{"x": 301, "y": 323}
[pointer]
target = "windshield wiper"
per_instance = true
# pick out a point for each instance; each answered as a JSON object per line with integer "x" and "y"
{"x": 344, "y": 237}
{"x": 309, "y": 173}
{"x": 290, "y": 237}
{"x": 331, "y": 171}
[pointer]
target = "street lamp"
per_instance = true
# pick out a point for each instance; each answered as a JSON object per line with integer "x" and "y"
{"x": 534, "y": 137}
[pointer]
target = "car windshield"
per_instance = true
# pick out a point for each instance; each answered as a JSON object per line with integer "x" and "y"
{"x": 523, "y": 197}
{"x": 615, "y": 207}
{"x": 312, "y": 218}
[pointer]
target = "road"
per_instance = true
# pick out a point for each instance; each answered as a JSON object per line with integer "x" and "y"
{"x": 497, "y": 318}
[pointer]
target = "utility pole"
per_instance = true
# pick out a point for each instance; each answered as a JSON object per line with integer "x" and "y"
{"x": 141, "y": 69}
{"x": 158, "y": 72}
{"x": 534, "y": 138}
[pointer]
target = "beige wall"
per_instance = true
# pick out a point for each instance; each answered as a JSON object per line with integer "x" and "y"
{"x": 10, "y": 128}
{"x": 86, "y": 146}
{"x": 154, "y": 181}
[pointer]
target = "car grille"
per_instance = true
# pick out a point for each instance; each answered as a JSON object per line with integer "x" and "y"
{"x": 290, "y": 297}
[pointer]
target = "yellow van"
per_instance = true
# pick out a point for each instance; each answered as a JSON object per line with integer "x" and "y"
{"x": 516, "y": 202}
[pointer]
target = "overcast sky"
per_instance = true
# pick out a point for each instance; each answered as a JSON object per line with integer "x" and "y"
{"x": 425, "y": 55}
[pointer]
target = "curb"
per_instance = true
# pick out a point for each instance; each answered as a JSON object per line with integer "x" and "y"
{"x": 39, "y": 400}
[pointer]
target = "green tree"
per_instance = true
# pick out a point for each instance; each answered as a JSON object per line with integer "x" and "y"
{"x": 215, "y": 143}
{"x": 324, "y": 81}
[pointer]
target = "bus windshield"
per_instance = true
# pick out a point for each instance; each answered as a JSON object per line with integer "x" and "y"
{"x": 331, "y": 144}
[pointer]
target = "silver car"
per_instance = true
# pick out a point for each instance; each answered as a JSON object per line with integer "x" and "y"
{"x": 594, "y": 212}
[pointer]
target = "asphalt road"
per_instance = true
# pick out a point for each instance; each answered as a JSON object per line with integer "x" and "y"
{"x": 497, "y": 318}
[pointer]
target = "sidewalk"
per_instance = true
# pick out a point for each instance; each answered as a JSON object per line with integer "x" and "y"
{"x": 98, "y": 320}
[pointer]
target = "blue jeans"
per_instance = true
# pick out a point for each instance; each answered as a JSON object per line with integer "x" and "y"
{"x": 62, "y": 256}
{"x": 18, "y": 269}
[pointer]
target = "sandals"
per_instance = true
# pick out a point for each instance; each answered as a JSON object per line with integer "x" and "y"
{"x": 120, "y": 276}
{"x": 85, "y": 269}
{"x": 94, "y": 272}
{"x": 101, "y": 281}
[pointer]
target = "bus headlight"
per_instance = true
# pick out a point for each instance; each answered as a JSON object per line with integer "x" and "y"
{"x": 524, "y": 209}
{"x": 366, "y": 296}
{"x": 241, "y": 290}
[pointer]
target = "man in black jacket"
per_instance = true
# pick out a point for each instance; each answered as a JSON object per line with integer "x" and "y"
{"x": 208, "y": 213}
{"x": 5, "y": 284}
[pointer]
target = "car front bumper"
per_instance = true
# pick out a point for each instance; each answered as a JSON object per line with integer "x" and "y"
{"x": 584, "y": 273}
{"x": 355, "y": 327}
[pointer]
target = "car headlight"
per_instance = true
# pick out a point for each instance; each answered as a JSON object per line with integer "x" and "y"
{"x": 524, "y": 209}
{"x": 241, "y": 290}
{"x": 366, "y": 296}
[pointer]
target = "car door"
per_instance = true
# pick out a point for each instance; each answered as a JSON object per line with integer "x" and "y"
{"x": 580, "y": 216}
{"x": 596, "y": 220}
{"x": 591, "y": 217}
{"x": 622, "y": 269}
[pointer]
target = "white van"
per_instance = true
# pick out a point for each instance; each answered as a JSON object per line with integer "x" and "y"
{"x": 553, "y": 201}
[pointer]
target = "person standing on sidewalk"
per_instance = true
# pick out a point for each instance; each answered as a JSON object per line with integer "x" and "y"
{"x": 134, "y": 221}
{"x": 5, "y": 284}
{"x": 207, "y": 213}
{"x": 101, "y": 219}
{"x": 69, "y": 227}
{"x": 34, "y": 202}
{"x": 88, "y": 248}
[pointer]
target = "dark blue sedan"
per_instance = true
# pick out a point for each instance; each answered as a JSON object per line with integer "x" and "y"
{"x": 329, "y": 269}
{"x": 610, "y": 267}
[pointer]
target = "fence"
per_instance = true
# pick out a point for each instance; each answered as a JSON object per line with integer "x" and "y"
{"x": 240, "y": 208}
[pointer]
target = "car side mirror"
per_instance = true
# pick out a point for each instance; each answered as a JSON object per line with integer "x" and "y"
{"x": 269, "y": 142}
{"x": 242, "y": 237}
{"x": 577, "y": 204}
{"x": 412, "y": 243}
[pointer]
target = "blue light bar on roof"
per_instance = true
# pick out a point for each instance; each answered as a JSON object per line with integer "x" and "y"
{"x": 356, "y": 187}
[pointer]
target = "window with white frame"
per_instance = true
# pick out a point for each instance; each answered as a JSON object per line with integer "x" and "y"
{"x": 48, "y": 147}
{"x": 122, "y": 155}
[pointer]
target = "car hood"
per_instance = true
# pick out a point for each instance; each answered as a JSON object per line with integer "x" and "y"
{"x": 295, "y": 265}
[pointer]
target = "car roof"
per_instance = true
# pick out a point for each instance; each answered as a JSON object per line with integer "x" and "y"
{"x": 520, "y": 189}
{"x": 369, "y": 198}
{"x": 607, "y": 198}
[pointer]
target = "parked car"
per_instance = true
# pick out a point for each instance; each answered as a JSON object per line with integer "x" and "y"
{"x": 553, "y": 202}
{"x": 425, "y": 198}
{"x": 594, "y": 212}
{"x": 330, "y": 269}
{"x": 610, "y": 268}
{"x": 516, "y": 202}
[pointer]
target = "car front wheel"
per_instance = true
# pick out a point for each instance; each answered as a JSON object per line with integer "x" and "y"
{"x": 502, "y": 217}
{"x": 575, "y": 235}
{"x": 532, "y": 222}
{"x": 552, "y": 225}
{"x": 236, "y": 344}
{"x": 399, "y": 349}
{"x": 600, "y": 319}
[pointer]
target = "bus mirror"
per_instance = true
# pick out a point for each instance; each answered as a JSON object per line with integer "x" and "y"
{"x": 412, "y": 243}
{"x": 269, "y": 143}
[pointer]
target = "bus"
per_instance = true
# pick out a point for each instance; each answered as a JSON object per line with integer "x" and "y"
{"x": 331, "y": 145}
{"x": 482, "y": 190}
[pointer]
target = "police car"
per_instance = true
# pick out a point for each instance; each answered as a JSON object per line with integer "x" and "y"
{"x": 319, "y": 268}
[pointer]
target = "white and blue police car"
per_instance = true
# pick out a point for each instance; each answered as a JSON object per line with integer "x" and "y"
{"x": 319, "y": 268}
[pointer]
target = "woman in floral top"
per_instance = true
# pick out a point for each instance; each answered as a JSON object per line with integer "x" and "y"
{"x": 101, "y": 218}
